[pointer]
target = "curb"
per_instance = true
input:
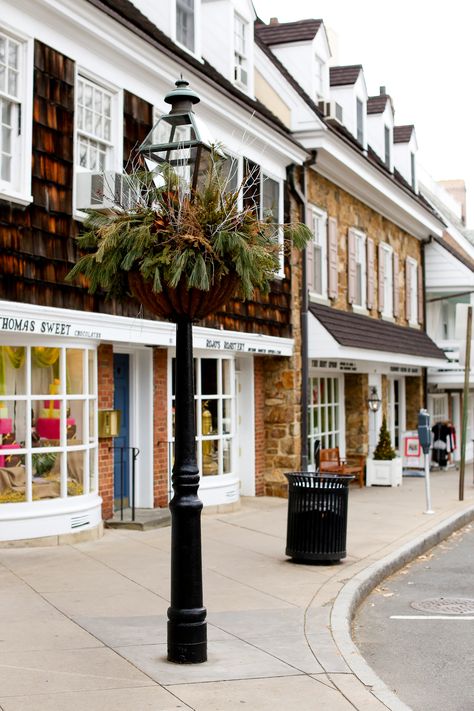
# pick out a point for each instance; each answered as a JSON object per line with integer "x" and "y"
{"x": 361, "y": 585}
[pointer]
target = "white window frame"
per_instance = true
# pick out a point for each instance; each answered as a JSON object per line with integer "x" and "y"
{"x": 114, "y": 159}
{"x": 196, "y": 50}
{"x": 318, "y": 78}
{"x": 391, "y": 404}
{"x": 387, "y": 252}
{"x": 387, "y": 144}
{"x": 89, "y": 398}
{"x": 361, "y": 252}
{"x": 18, "y": 189}
{"x": 413, "y": 316}
{"x": 319, "y": 228}
{"x": 329, "y": 437}
{"x": 263, "y": 175}
{"x": 241, "y": 59}
{"x": 209, "y": 480}
{"x": 362, "y": 124}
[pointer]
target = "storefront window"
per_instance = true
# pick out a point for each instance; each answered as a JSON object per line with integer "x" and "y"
{"x": 324, "y": 413}
{"x": 48, "y": 439}
{"x": 215, "y": 428}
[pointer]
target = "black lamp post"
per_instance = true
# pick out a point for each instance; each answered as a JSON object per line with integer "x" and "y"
{"x": 178, "y": 144}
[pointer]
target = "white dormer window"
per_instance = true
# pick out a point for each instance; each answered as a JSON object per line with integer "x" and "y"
{"x": 240, "y": 51}
{"x": 413, "y": 171}
{"x": 185, "y": 18}
{"x": 319, "y": 78}
{"x": 387, "y": 146}
{"x": 360, "y": 121}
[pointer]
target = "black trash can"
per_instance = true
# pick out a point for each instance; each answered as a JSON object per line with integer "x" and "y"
{"x": 317, "y": 516}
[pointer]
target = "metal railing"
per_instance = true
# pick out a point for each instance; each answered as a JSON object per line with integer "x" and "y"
{"x": 134, "y": 452}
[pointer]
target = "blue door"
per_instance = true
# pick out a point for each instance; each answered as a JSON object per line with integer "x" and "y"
{"x": 122, "y": 442}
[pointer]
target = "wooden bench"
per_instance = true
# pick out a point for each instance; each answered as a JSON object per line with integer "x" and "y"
{"x": 331, "y": 463}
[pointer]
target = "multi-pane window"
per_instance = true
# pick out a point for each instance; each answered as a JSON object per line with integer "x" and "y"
{"x": 215, "y": 414}
{"x": 324, "y": 413}
{"x": 48, "y": 422}
{"x": 387, "y": 145}
{"x": 10, "y": 108}
{"x": 185, "y": 23}
{"x": 240, "y": 51}
{"x": 387, "y": 256}
{"x": 394, "y": 406}
{"x": 360, "y": 120}
{"x": 319, "y": 252}
{"x": 94, "y": 126}
{"x": 360, "y": 270}
{"x": 413, "y": 295}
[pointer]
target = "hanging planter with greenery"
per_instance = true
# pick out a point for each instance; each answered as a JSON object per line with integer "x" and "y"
{"x": 183, "y": 255}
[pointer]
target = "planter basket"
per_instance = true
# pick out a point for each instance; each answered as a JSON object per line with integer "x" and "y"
{"x": 182, "y": 303}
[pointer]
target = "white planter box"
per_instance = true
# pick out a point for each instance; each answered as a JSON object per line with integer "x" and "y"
{"x": 384, "y": 473}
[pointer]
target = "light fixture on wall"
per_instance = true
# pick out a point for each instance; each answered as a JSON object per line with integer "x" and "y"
{"x": 374, "y": 400}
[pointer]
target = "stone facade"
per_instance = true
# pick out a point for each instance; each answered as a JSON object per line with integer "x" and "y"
{"x": 352, "y": 213}
{"x": 356, "y": 394}
{"x": 414, "y": 395}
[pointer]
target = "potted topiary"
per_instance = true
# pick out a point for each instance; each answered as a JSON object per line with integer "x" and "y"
{"x": 384, "y": 467}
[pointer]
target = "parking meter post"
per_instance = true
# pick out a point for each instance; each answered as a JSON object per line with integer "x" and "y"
{"x": 424, "y": 436}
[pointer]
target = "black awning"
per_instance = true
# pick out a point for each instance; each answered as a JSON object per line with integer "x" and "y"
{"x": 358, "y": 331}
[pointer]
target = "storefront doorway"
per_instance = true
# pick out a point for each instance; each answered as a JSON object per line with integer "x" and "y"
{"x": 122, "y": 442}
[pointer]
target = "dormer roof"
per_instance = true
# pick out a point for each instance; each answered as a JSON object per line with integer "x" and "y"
{"x": 377, "y": 104}
{"x": 403, "y": 134}
{"x": 286, "y": 32}
{"x": 344, "y": 76}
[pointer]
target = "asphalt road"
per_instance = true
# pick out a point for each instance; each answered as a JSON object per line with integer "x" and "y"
{"x": 429, "y": 663}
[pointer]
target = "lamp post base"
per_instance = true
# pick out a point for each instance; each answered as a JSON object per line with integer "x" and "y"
{"x": 187, "y": 642}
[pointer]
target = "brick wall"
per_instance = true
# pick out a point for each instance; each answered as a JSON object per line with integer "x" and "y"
{"x": 160, "y": 428}
{"x": 105, "y": 363}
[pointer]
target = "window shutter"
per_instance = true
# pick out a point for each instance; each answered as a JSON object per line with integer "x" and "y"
{"x": 407, "y": 290}
{"x": 381, "y": 278}
{"x": 396, "y": 288}
{"x": 310, "y": 252}
{"x": 370, "y": 273}
{"x": 420, "y": 294}
{"x": 351, "y": 266}
{"x": 332, "y": 258}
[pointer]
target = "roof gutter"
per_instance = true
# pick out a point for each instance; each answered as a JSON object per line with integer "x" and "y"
{"x": 300, "y": 195}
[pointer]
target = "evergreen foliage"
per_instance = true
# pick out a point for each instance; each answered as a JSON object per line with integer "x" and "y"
{"x": 384, "y": 449}
{"x": 169, "y": 235}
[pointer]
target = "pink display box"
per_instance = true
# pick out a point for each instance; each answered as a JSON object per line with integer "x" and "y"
{"x": 46, "y": 404}
{"x": 6, "y": 425}
{"x": 48, "y": 427}
{"x": 7, "y": 446}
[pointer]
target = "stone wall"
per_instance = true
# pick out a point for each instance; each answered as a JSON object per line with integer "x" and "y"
{"x": 351, "y": 212}
{"x": 414, "y": 400}
{"x": 282, "y": 392}
{"x": 356, "y": 394}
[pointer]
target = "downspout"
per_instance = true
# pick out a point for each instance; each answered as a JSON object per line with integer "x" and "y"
{"x": 300, "y": 197}
{"x": 423, "y": 272}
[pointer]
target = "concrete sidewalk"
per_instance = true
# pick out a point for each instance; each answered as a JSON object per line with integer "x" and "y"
{"x": 84, "y": 625}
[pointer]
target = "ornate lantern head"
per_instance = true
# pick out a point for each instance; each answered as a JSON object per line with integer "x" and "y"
{"x": 374, "y": 400}
{"x": 179, "y": 144}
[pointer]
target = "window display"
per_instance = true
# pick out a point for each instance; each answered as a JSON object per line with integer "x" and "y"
{"x": 215, "y": 398}
{"x": 324, "y": 413}
{"x": 48, "y": 440}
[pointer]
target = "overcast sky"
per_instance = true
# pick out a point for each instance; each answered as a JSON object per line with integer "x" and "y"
{"x": 423, "y": 53}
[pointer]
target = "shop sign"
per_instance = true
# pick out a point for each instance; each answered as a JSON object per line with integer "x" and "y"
{"x": 15, "y": 324}
{"x": 351, "y": 366}
{"x": 218, "y": 344}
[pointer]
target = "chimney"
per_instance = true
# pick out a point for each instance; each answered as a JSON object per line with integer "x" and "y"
{"x": 274, "y": 21}
{"x": 382, "y": 91}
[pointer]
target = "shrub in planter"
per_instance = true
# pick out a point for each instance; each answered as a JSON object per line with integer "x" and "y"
{"x": 384, "y": 449}
{"x": 384, "y": 467}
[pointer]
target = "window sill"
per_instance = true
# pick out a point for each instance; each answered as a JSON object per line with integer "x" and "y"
{"x": 18, "y": 198}
{"x": 319, "y": 299}
{"x": 360, "y": 310}
{"x": 414, "y": 324}
{"x": 387, "y": 317}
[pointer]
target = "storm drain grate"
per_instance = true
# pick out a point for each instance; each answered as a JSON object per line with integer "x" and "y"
{"x": 442, "y": 605}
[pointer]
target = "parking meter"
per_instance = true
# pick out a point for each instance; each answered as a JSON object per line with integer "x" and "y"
{"x": 424, "y": 430}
